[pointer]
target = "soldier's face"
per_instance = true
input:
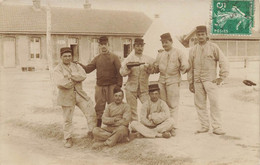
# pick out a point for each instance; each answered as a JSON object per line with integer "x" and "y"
{"x": 139, "y": 48}
{"x": 66, "y": 58}
{"x": 154, "y": 95}
{"x": 167, "y": 45}
{"x": 118, "y": 97}
{"x": 103, "y": 47}
{"x": 202, "y": 37}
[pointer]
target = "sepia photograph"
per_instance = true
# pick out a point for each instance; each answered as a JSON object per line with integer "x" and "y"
{"x": 129, "y": 82}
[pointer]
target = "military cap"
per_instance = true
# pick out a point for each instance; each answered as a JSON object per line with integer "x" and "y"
{"x": 153, "y": 87}
{"x": 139, "y": 41}
{"x": 103, "y": 39}
{"x": 201, "y": 28}
{"x": 166, "y": 36}
{"x": 65, "y": 50}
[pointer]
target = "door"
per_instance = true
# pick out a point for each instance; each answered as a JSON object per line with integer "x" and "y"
{"x": 73, "y": 44}
{"x": 75, "y": 52}
{"x": 9, "y": 52}
{"x": 127, "y": 47}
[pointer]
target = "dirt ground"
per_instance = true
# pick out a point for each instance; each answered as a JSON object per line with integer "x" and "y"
{"x": 31, "y": 128}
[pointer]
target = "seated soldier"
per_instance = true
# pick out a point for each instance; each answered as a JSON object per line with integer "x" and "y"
{"x": 155, "y": 117}
{"x": 116, "y": 118}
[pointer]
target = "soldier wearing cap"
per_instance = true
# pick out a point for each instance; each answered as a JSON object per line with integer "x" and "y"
{"x": 69, "y": 77}
{"x": 171, "y": 62}
{"x": 116, "y": 118}
{"x": 107, "y": 65}
{"x": 137, "y": 82}
{"x": 155, "y": 116}
{"x": 202, "y": 77}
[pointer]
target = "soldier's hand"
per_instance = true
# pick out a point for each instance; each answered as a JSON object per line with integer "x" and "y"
{"x": 150, "y": 117}
{"x": 117, "y": 119}
{"x": 129, "y": 66}
{"x": 218, "y": 81}
{"x": 191, "y": 87}
{"x": 69, "y": 85}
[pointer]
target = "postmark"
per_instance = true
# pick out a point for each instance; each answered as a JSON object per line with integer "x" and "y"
{"x": 234, "y": 17}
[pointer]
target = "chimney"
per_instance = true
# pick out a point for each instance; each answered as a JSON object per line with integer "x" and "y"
{"x": 36, "y": 4}
{"x": 87, "y": 5}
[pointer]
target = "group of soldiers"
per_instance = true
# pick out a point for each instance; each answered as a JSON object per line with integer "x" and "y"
{"x": 117, "y": 121}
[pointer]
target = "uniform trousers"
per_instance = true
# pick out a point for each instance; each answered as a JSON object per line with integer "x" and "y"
{"x": 151, "y": 132}
{"x": 103, "y": 95}
{"x": 131, "y": 98}
{"x": 88, "y": 110}
{"x": 171, "y": 95}
{"x": 111, "y": 135}
{"x": 202, "y": 90}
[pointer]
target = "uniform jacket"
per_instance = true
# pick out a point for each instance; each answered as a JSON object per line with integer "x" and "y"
{"x": 63, "y": 78}
{"x": 107, "y": 66}
{"x": 203, "y": 61}
{"x": 137, "y": 76}
{"x": 159, "y": 112}
{"x": 113, "y": 110}
{"x": 170, "y": 65}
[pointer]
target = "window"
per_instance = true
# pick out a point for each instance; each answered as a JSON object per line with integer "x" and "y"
{"x": 35, "y": 48}
{"x": 73, "y": 44}
{"x": 73, "y": 41}
{"x": 94, "y": 47}
{"x": 127, "y": 43}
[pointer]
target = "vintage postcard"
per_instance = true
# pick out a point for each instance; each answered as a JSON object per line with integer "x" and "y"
{"x": 126, "y": 82}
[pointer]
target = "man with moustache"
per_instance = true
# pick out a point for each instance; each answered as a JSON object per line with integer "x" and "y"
{"x": 137, "y": 82}
{"x": 116, "y": 118}
{"x": 170, "y": 62}
{"x": 155, "y": 117}
{"x": 107, "y": 65}
{"x": 69, "y": 77}
{"x": 202, "y": 77}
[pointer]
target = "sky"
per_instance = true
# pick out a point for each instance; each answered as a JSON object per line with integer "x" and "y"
{"x": 180, "y": 16}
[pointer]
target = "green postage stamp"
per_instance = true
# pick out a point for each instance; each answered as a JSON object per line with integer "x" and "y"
{"x": 232, "y": 17}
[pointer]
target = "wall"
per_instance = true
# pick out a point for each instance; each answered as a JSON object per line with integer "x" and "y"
{"x": 22, "y": 51}
{"x": 1, "y": 51}
{"x": 85, "y": 49}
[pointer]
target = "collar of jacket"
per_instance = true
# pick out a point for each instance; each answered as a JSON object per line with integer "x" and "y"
{"x": 105, "y": 54}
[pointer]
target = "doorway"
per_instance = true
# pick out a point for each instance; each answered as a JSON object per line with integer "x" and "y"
{"x": 9, "y": 52}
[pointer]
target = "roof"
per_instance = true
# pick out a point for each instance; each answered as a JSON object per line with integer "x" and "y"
{"x": 254, "y": 36}
{"x": 26, "y": 19}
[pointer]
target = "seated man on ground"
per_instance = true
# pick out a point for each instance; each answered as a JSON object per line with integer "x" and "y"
{"x": 155, "y": 117}
{"x": 115, "y": 120}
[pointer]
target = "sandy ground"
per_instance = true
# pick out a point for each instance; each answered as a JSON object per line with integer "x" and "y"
{"x": 31, "y": 128}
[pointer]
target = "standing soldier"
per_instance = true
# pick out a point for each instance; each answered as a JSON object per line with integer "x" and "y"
{"x": 107, "y": 65}
{"x": 202, "y": 77}
{"x": 138, "y": 75}
{"x": 68, "y": 77}
{"x": 170, "y": 62}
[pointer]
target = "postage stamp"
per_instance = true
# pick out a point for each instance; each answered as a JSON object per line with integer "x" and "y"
{"x": 232, "y": 17}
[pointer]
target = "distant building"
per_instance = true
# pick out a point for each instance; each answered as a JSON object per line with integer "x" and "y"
{"x": 233, "y": 46}
{"x": 23, "y": 32}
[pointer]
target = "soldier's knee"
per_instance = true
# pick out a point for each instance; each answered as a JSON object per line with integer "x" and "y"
{"x": 122, "y": 128}
{"x": 133, "y": 124}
